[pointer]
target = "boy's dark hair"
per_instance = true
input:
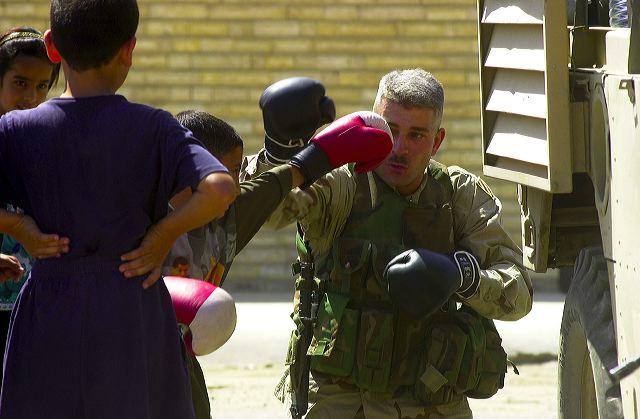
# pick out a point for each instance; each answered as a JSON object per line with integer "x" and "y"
{"x": 217, "y": 136}
{"x": 24, "y": 40}
{"x": 89, "y": 33}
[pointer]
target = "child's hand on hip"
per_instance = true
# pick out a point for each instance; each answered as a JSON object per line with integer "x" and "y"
{"x": 149, "y": 257}
{"x": 36, "y": 243}
{"x": 10, "y": 268}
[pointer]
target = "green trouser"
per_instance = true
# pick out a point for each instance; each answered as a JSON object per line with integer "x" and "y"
{"x": 199, "y": 394}
{"x": 330, "y": 401}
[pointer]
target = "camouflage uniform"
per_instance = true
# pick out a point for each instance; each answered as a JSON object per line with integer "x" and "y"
{"x": 504, "y": 292}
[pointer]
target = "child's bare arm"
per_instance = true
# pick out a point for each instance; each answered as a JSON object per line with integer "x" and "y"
{"x": 26, "y": 232}
{"x": 209, "y": 201}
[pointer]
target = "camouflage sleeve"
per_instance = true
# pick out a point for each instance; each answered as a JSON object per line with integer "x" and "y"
{"x": 505, "y": 291}
{"x": 329, "y": 204}
{"x": 259, "y": 197}
{"x": 322, "y": 209}
{"x": 252, "y": 167}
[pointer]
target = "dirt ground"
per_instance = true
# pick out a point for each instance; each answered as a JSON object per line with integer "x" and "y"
{"x": 247, "y": 392}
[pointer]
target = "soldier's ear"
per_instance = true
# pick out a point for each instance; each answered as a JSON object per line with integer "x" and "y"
{"x": 437, "y": 141}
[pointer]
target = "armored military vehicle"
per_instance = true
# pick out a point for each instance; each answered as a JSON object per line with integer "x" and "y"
{"x": 560, "y": 97}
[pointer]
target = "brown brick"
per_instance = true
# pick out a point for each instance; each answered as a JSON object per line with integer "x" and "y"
{"x": 274, "y": 62}
{"x": 224, "y": 94}
{"x": 173, "y": 78}
{"x": 394, "y": 13}
{"x": 448, "y": 13}
{"x": 213, "y": 60}
{"x": 358, "y": 78}
{"x": 180, "y": 61}
{"x": 437, "y": 45}
{"x": 186, "y": 27}
{"x": 359, "y": 46}
{"x": 356, "y": 28}
{"x": 144, "y": 44}
{"x": 229, "y": 78}
{"x": 330, "y": 13}
{"x": 143, "y": 61}
{"x": 260, "y": 45}
{"x": 18, "y": 10}
{"x": 462, "y": 62}
{"x": 323, "y": 62}
{"x": 387, "y": 62}
{"x": 284, "y": 28}
{"x": 183, "y": 10}
{"x": 293, "y": 45}
{"x": 246, "y": 12}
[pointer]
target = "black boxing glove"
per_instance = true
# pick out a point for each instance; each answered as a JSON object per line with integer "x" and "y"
{"x": 292, "y": 110}
{"x": 421, "y": 281}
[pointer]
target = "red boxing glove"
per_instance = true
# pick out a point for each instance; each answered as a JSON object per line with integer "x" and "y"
{"x": 363, "y": 138}
{"x": 207, "y": 312}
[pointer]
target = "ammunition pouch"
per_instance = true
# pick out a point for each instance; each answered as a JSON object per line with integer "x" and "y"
{"x": 334, "y": 338}
{"x": 463, "y": 355}
{"x": 461, "y": 352}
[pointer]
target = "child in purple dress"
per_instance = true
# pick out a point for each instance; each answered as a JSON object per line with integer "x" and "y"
{"x": 93, "y": 335}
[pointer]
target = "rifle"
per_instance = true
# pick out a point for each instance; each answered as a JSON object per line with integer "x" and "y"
{"x": 310, "y": 297}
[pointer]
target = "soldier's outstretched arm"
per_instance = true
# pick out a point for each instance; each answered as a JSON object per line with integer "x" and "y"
{"x": 363, "y": 138}
{"x": 260, "y": 198}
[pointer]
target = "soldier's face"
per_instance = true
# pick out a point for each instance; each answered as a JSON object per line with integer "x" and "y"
{"x": 416, "y": 139}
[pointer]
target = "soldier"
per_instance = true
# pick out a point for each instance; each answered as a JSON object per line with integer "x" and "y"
{"x": 402, "y": 270}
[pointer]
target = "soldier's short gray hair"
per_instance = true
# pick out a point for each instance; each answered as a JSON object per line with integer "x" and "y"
{"x": 414, "y": 87}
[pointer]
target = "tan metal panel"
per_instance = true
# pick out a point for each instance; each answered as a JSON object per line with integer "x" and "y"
{"x": 519, "y": 92}
{"x": 520, "y": 138}
{"x": 513, "y": 46}
{"x": 623, "y": 96}
{"x": 506, "y": 11}
{"x": 518, "y": 172}
{"x": 524, "y": 82}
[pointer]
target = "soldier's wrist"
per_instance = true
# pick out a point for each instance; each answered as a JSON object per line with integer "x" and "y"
{"x": 469, "y": 270}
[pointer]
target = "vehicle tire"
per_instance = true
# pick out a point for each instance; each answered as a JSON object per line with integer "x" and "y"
{"x": 564, "y": 279}
{"x": 588, "y": 344}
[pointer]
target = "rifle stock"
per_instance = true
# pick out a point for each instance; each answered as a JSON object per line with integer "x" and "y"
{"x": 307, "y": 311}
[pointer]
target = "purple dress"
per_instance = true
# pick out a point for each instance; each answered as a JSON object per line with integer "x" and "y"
{"x": 85, "y": 342}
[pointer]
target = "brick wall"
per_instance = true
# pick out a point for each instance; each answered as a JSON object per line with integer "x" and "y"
{"x": 219, "y": 55}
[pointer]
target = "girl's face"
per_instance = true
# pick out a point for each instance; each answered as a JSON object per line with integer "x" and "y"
{"x": 26, "y": 84}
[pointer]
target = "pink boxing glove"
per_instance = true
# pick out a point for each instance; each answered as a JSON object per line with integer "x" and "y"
{"x": 363, "y": 138}
{"x": 206, "y": 311}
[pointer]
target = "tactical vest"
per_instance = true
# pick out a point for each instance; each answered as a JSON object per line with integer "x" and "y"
{"x": 360, "y": 336}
